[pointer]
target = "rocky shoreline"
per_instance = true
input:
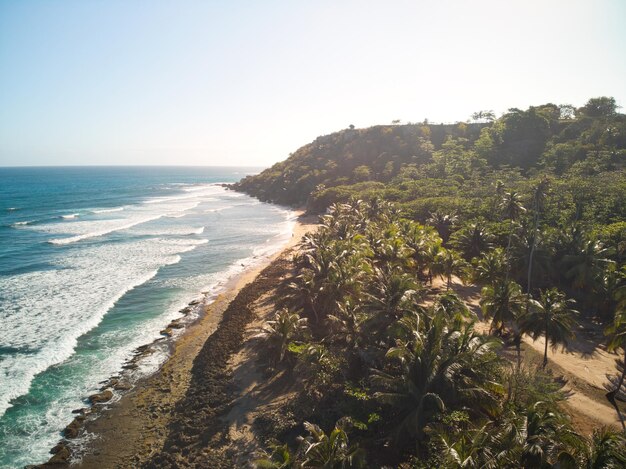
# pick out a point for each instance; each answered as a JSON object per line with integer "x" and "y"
{"x": 160, "y": 420}
{"x": 64, "y": 451}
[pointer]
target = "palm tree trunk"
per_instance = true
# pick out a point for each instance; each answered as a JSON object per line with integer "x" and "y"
{"x": 611, "y": 395}
{"x": 518, "y": 348}
{"x": 545, "y": 350}
{"x": 508, "y": 248}
{"x": 532, "y": 250}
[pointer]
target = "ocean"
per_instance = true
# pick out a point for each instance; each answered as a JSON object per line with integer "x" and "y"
{"x": 94, "y": 262}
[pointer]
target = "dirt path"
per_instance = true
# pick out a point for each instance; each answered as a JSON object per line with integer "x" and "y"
{"x": 585, "y": 365}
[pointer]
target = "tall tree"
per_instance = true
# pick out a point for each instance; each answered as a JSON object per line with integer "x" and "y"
{"x": 553, "y": 317}
{"x": 512, "y": 208}
{"x": 539, "y": 197}
{"x": 502, "y": 302}
{"x": 617, "y": 340}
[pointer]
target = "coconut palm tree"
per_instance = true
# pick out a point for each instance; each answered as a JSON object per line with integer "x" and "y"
{"x": 473, "y": 239}
{"x": 279, "y": 332}
{"x": 617, "y": 340}
{"x": 346, "y": 324}
{"x": 502, "y": 302}
{"x": 605, "y": 450}
{"x": 443, "y": 223}
{"x": 586, "y": 264}
{"x": 440, "y": 367}
{"x": 452, "y": 307}
{"x": 553, "y": 317}
{"x": 330, "y": 451}
{"x": 419, "y": 238}
{"x": 539, "y": 197}
{"x": 467, "y": 449}
{"x": 547, "y": 439}
{"x": 490, "y": 267}
{"x": 390, "y": 295}
{"x": 449, "y": 263}
{"x": 512, "y": 208}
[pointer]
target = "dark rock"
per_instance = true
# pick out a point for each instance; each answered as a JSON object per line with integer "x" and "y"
{"x": 103, "y": 396}
{"x": 167, "y": 332}
{"x": 73, "y": 429}
{"x": 61, "y": 457}
{"x": 175, "y": 324}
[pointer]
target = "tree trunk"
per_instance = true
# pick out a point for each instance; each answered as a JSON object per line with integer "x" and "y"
{"x": 518, "y": 348}
{"x": 545, "y": 350}
{"x": 611, "y": 395}
{"x": 508, "y": 248}
{"x": 532, "y": 250}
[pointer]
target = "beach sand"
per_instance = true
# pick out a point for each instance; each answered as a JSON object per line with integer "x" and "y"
{"x": 134, "y": 430}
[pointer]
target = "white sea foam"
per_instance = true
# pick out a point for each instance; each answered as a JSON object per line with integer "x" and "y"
{"x": 70, "y": 216}
{"x": 102, "y": 232}
{"x": 108, "y": 210}
{"x": 49, "y": 310}
{"x": 21, "y": 223}
{"x": 133, "y": 216}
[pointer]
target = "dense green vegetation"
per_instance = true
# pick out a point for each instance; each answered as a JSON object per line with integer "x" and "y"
{"x": 390, "y": 378}
{"x": 531, "y": 207}
{"x": 563, "y": 169}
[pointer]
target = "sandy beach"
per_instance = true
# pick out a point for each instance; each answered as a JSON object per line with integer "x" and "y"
{"x": 134, "y": 430}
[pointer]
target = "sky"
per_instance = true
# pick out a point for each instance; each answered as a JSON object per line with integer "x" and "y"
{"x": 248, "y": 82}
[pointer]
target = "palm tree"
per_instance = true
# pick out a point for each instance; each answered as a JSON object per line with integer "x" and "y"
{"x": 502, "y": 302}
{"x": 330, "y": 451}
{"x": 449, "y": 263}
{"x": 419, "y": 238}
{"x": 452, "y": 307}
{"x": 443, "y": 223}
{"x": 279, "y": 332}
{"x": 512, "y": 208}
{"x": 468, "y": 449}
{"x": 346, "y": 324}
{"x": 586, "y": 264}
{"x": 539, "y": 198}
{"x": 606, "y": 450}
{"x": 553, "y": 317}
{"x": 490, "y": 268}
{"x": 473, "y": 239}
{"x": 390, "y": 296}
{"x": 439, "y": 367}
{"x": 617, "y": 340}
{"x": 546, "y": 437}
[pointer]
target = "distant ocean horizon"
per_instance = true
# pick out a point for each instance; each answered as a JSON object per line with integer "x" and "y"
{"x": 94, "y": 262}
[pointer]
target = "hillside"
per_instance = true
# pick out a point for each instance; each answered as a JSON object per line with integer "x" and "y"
{"x": 450, "y": 161}
{"x": 386, "y": 360}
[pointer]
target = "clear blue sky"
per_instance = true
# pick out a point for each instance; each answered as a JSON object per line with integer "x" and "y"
{"x": 248, "y": 82}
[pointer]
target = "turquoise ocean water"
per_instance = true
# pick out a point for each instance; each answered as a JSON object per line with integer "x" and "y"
{"x": 94, "y": 262}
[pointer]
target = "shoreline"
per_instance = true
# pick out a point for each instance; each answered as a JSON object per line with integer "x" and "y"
{"x": 131, "y": 428}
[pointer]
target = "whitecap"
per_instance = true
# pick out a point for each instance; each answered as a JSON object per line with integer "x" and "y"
{"x": 95, "y": 234}
{"x": 108, "y": 210}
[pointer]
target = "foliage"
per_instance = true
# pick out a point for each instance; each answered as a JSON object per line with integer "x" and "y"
{"x": 530, "y": 206}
